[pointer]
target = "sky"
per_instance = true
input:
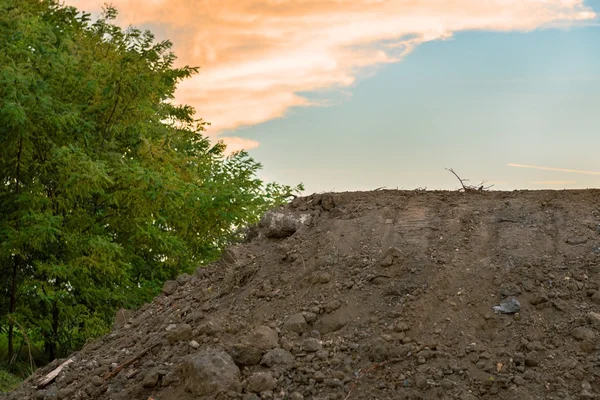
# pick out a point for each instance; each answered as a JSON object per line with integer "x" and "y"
{"x": 360, "y": 94}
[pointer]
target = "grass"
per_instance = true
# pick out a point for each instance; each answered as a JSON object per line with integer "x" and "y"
{"x": 8, "y": 381}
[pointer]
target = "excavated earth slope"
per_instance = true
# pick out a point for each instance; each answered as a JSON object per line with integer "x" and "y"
{"x": 376, "y": 295}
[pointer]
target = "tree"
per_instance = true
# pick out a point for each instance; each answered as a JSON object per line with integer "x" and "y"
{"x": 108, "y": 189}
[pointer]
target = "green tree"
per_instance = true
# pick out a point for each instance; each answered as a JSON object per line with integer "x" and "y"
{"x": 108, "y": 189}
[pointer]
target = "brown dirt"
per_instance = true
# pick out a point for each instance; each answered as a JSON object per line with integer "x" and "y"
{"x": 379, "y": 295}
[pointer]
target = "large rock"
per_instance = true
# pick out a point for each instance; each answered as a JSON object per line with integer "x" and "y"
{"x": 332, "y": 322}
{"x": 278, "y": 359}
{"x": 261, "y": 381}
{"x": 295, "y": 323}
{"x": 279, "y": 225}
{"x": 263, "y": 338}
{"x": 210, "y": 372}
{"x": 170, "y": 287}
{"x": 245, "y": 354}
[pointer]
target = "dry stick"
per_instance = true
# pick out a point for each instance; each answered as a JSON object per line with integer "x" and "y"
{"x": 116, "y": 371}
{"x": 26, "y": 339}
{"x": 469, "y": 188}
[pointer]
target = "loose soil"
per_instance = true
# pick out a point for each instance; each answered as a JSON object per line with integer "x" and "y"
{"x": 370, "y": 295}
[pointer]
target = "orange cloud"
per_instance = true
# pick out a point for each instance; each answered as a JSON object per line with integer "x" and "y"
{"x": 257, "y": 55}
{"x": 236, "y": 144}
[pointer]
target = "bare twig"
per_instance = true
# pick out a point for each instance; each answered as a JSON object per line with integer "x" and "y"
{"x": 116, "y": 371}
{"x": 470, "y": 188}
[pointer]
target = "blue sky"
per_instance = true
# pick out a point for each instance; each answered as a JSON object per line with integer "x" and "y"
{"x": 475, "y": 103}
{"x": 410, "y": 87}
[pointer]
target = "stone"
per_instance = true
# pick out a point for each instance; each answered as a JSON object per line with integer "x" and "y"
{"x": 150, "y": 379}
{"x": 210, "y": 327}
{"x": 263, "y": 338}
{"x": 210, "y": 372}
{"x": 180, "y": 332}
{"x": 194, "y": 344}
{"x": 581, "y": 333}
{"x": 576, "y": 240}
{"x": 278, "y": 359}
{"x": 97, "y": 381}
{"x": 170, "y": 287}
{"x": 295, "y": 323}
{"x": 311, "y": 345}
{"x": 121, "y": 318}
{"x": 245, "y": 354}
{"x": 596, "y": 297}
{"x": 594, "y": 319}
{"x": 261, "y": 381}
{"x": 66, "y": 393}
{"x": 279, "y": 225}
{"x": 333, "y": 322}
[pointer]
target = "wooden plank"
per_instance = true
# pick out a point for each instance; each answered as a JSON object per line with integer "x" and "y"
{"x": 53, "y": 374}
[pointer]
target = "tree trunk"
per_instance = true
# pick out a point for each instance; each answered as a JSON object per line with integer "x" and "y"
{"x": 13, "y": 284}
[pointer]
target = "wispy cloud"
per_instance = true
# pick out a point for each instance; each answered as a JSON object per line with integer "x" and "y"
{"x": 574, "y": 171}
{"x": 552, "y": 183}
{"x": 258, "y": 55}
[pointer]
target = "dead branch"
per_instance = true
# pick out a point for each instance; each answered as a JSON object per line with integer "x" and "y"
{"x": 469, "y": 188}
{"x": 116, "y": 371}
{"x": 53, "y": 374}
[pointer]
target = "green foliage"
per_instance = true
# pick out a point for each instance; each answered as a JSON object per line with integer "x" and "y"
{"x": 8, "y": 381}
{"x": 107, "y": 188}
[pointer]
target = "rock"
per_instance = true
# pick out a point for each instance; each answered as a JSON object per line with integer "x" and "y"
{"x": 210, "y": 372}
{"x": 183, "y": 278}
{"x": 295, "y": 323}
{"x": 332, "y": 306}
{"x": 122, "y": 317}
{"x": 261, "y": 381}
{"x": 210, "y": 327}
{"x": 327, "y": 202}
{"x": 532, "y": 359}
{"x": 245, "y": 354}
{"x": 311, "y": 345}
{"x": 279, "y": 225}
{"x": 594, "y": 319}
{"x": 150, "y": 379}
{"x": 333, "y": 322}
{"x": 582, "y": 333}
{"x": 263, "y": 338}
{"x": 596, "y": 297}
{"x": 170, "y": 287}
{"x": 194, "y": 344}
{"x": 51, "y": 393}
{"x": 278, "y": 359}
{"x": 539, "y": 299}
{"x": 97, "y": 381}
{"x": 577, "y": 240}
{"x": 181, "y": 332}
{"x": 66, "y": 393}
{"x": 296, "y": 396}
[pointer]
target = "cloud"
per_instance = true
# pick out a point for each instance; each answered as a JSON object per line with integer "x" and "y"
{"x": 554, "y": 182}
{"x": 236, "y": 144}
{"x": 573, "y": 171}
{"x": 256, "y": 56}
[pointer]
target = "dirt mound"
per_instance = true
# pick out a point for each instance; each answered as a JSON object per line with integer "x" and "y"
{"x": 378, "y": 295}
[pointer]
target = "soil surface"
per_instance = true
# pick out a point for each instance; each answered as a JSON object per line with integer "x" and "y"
{"x": 370, "y": 295}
